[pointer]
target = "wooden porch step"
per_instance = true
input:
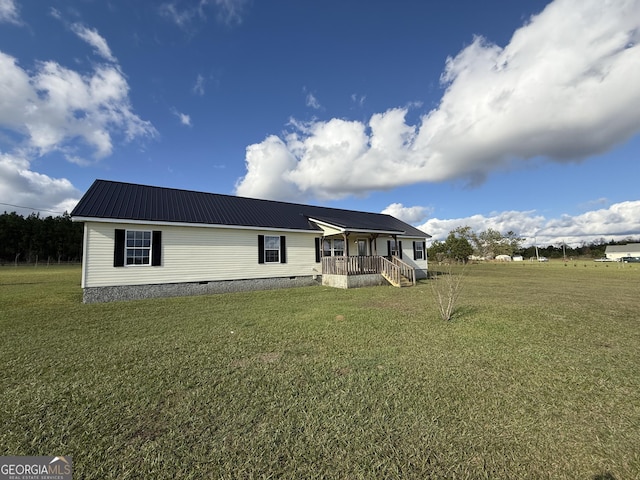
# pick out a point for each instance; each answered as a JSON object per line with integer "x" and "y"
{"x": 404, "y": 281}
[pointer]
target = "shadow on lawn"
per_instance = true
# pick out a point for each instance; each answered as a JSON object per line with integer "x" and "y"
{"x": 604, "y": 476}
{"x": 464, "y": 311}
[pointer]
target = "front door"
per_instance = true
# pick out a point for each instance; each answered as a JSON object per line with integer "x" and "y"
{"x": 362, "y": 248}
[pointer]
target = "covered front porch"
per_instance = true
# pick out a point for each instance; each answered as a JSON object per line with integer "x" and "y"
{"x": 363, "y": 255}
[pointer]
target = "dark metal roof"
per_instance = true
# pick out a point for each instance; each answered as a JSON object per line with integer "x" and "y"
{"x": 126, "y": 201}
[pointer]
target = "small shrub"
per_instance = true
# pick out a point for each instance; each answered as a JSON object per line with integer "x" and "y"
{"x": 446, "y": 288}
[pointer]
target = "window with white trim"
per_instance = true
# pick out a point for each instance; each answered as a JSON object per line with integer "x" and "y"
{"x": 326, "y": 248}
{"x": 419, "y": 252}
{"x": 393, "y": 248}
{"x": 333, "y": 247}
{"x": 271, "y": 249}
{"x": 138, "y": 247}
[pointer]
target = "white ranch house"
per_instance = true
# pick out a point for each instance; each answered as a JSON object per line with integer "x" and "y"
{"x": 143, "y": 241}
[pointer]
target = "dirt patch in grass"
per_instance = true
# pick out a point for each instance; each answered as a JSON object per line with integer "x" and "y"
{"x": 261, "y": 358}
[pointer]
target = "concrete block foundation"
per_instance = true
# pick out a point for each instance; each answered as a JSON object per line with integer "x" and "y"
{"x": 139, "y": 292}
{"x": 353, "y": 281}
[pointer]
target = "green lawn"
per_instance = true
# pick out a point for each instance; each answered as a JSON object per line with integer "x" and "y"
{"x": 537, "y": 377}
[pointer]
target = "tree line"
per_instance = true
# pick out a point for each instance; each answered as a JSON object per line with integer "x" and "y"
{"x": 463, "y": 243}
{"x": 36, "y": 239}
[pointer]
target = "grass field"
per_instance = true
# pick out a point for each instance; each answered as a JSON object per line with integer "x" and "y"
{"x": 536, "y": 377}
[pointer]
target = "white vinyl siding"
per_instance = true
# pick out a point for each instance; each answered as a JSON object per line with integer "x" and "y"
{"x": 407, "y": 250}
{"x": 195, "y": 254}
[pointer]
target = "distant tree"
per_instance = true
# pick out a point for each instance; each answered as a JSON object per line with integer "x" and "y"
{"x": 11, "y": 227}
{"x": 466, "y": 233}
{"x": 491, "y": 243}
{"x": 458, "y": 247}
{"x": 437, "y": 251}
{"x": 513, "y": 241}
{"x": 45, "y": 239}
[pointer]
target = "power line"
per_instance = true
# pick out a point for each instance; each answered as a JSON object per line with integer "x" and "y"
{"x": 31, "y": 208}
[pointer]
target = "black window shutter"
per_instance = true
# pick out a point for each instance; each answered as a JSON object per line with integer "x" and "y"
{"x": 260, "y": 248}
{"x": 317, "y": 250}
{"x": 118, "y": 249}
{"x": 283, "y": 249}
{"x": 156, "y": 244}
{"x": 424, "y": 250}
{"x": 389, "y": 248}
{"x": 415, "y": 254}
{"x": 400, "y": 250}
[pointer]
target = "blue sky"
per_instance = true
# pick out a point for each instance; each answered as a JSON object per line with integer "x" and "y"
{"x": 521, "y": 116}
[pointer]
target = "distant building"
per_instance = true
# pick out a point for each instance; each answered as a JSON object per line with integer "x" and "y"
{"x": 617, "y": 252}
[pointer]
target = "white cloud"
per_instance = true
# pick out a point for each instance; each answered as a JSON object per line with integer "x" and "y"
{"x": 23, "y": 187}
{"x": 93, "y": 38}
{"x": 183, "y": 117}
{"x": 229, "y": 12}
{"x": 182, "y": 18}
{"x": 617, "y": 222}
{"x": 327, "y": 155}
{"x": 9, "y": 12}
{"x": 198, "y": 88}
{"x": 407, "y": 214}
{"x": 523, "y": 223}
{"x": 312, "y": 101}
{"x": 358, "y": 99}
{"x": 566, "y": 87}
{"x": 51, "y": 108}
{"x": 55, "y": 106}
{"x": 55, "y": 13}
{"x": 259, "y": 183}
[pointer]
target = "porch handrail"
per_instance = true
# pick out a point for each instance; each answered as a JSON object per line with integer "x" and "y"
{"x": 390, "y": 271}
{"x": 406, "y": 270}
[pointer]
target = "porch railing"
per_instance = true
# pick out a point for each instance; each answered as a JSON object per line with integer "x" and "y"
{"x": 393, "y": 269}
{"x": 406, "y": 270}
{"x": 390, "y": 271}
{"x": 359, "y": 265}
